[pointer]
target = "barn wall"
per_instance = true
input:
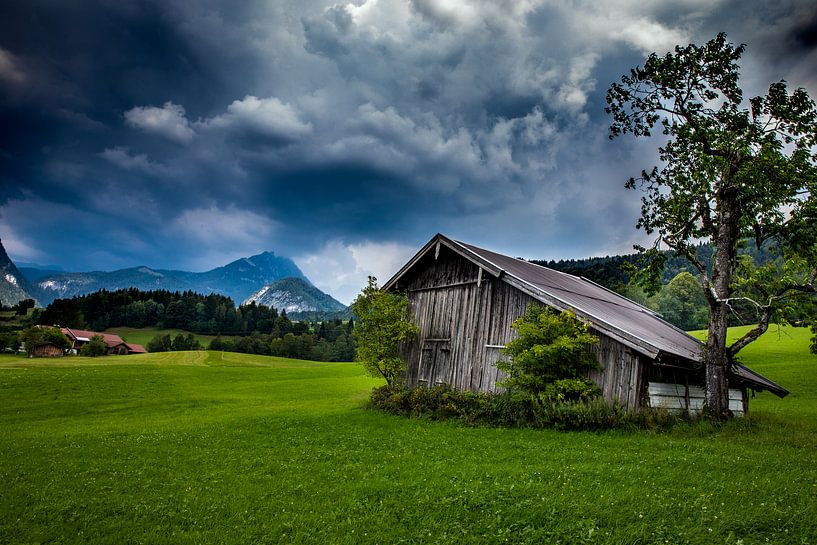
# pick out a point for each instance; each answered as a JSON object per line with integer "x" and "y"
{"x": 47, "y": 351}
{"x": 464, "y": 325}
{"x": 622, "y": 376}
{"x": 446, "y": 304}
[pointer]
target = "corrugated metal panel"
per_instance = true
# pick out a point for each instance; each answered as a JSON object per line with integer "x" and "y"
{"x": 679, "y": 398}
{"x": 596, "y": 302}
{"x": 758, "y": 381}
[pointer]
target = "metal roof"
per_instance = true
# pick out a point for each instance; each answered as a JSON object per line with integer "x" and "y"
{"x": 600, "y": 305}
{"x": 636, "y": 326}
{"x": 110, "y": 339}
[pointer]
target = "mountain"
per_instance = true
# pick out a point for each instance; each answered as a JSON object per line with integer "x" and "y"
{"x": 298, "y": 297}
{"x": 14, "y": 287}
{"x": 236, "y": 280}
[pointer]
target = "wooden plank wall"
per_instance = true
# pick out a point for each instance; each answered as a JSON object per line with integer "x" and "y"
{"x": 621, "y": 378}
{"x": 462, "y": 325}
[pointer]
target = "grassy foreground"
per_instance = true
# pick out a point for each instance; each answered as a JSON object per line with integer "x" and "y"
{"x": 231, "y": 448}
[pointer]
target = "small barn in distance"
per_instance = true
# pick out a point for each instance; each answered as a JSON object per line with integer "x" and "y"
{"x": 464, "y": 300}
{"x": 47, "y": 350}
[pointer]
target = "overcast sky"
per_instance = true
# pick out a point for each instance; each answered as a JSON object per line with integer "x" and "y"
{"x": 186, "y": 134}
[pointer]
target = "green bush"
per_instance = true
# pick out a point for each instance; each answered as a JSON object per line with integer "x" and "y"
{"x": 550, "y": 346}
{"x": 95, "y": 347}
{"x": 595, "y": 414}
{"x": 575, "y": 406}
{"x": 572, "y": 389}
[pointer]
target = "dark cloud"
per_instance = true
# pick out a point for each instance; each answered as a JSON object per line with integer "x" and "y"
{"x": 804, "y": 33}
{"x": 184, "y": 134}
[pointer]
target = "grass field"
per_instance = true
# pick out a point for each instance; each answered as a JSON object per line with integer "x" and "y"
{"x": 232, "y": 448}
{"x": 144, "y": 335}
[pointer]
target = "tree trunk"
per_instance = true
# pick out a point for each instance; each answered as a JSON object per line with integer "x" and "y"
{"x": 716, "y": 360}
{"x": 716, "y": 356}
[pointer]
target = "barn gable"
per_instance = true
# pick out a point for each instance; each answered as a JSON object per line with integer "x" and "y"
{"x": 464, "y": 300}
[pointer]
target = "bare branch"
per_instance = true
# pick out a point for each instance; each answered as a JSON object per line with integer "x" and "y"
{"x": 752, "y": 334}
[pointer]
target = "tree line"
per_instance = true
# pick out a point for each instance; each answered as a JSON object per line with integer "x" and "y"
{"x": 202, "y": 314}
{"x": 250, "y": 329}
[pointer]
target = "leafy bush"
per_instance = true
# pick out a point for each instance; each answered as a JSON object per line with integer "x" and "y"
{"x": 9, "y": 340}
{"x": 95, "y": 347}
{"x": 518, "y": 409}
{"x": 159, "y": 343}
{"x": 550, "y": 346}
{"x": 572, "y": 389}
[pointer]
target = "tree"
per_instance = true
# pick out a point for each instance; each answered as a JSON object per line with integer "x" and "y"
{"x": 727, "y": 173}
{"x": 682, "y": 302}
{"x": 21, "y": 308}
{"x": 382, "y": 325}
{"x": 550, "y": 346}
{"x": 183, "y": 342}
{"x": 95, "y": 347}
{"x": 159, "y": 343}
{"x": 9, "y": 341}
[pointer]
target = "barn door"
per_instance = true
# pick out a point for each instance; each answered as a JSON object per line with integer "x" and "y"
{"x": 435, "y": 362}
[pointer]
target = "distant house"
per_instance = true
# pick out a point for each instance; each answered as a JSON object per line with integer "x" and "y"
{"x": 116, "y": 346}
{"x": 465, "y": 299}
{"x": 47, "y": 350}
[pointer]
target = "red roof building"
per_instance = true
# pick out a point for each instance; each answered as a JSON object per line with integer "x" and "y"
{"x": 116, "y": 346}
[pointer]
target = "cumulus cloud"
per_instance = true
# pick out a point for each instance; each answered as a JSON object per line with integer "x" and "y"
{"x": 651, "y": 36}
{"x": 263, "y": 117}
{"x": 342, "y": 269}
{"x": 121, "y": 157}
{"x": 168, "y": 121}
{"x": 221, "y": 234}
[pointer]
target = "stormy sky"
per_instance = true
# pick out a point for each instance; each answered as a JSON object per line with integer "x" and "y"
{"x": 186, "y": 134}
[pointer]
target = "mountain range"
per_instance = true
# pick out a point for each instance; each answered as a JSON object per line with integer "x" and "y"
{"x": 14, "y": 286}
{"x": 299, "y": 298}
{"x": 272, "y": 279}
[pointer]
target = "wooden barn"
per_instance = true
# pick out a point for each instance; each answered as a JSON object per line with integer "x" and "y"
{"x": 47, "y": 350}
{"x": 465, "y": 299}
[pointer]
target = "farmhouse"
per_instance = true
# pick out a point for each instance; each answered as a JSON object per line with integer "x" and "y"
{"x": 116, "y": 346}
{"x": 464, "y": 300}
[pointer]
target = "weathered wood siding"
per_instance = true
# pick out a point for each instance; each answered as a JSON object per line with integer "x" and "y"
{"x": 621, "y": 377}
{"x": 465, "y": 318}
{"x": 47, "y": 350}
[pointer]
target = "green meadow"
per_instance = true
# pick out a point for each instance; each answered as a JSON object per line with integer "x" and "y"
{"x": 144, "y": 335}
{"x": 205, "y": 447}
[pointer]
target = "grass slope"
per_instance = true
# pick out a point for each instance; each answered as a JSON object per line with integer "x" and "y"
{"x": 229, "y": 448}
{"x": 782, "y": 355}
{"x": 145, "y": 334}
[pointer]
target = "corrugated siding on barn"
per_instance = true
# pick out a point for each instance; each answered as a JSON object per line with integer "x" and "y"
{"x": 679, "y": 398}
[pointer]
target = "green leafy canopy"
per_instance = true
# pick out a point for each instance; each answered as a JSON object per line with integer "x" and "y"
{"x": 382, "y": 326}
{"x": 729, "y": 171}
